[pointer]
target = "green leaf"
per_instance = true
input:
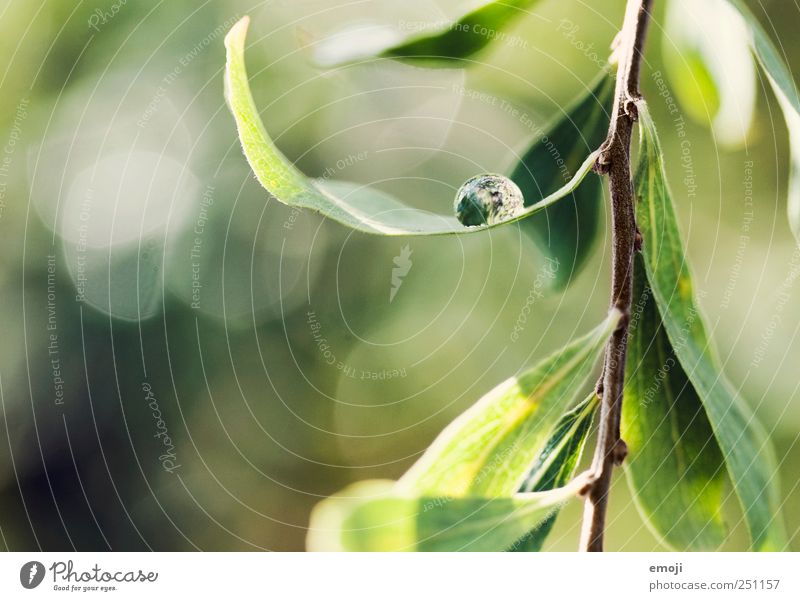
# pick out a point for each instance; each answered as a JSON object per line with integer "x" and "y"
{"x": 748, "y": 457}
{"x": 674, "y": 465}
{"x": 353, "y": 205}
{"x": 556, "y": 465}
{"x": 374, "y": 516}
{"x": 489, "y": 449}
{"x": 442, "y": 42}
{"x": 780, "y": 78}
{"x": 566, "y": 231}
{"x": 710, "y": 67}
{"x": 460, "y": 496}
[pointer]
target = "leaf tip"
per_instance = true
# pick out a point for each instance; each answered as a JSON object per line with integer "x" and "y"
{"x": 237, "y": 34}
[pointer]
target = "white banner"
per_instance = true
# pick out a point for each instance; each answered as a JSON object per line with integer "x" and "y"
{"x": 403, "y": 577}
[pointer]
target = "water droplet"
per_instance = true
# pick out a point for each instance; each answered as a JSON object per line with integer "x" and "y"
{"x": 487, "y": 199}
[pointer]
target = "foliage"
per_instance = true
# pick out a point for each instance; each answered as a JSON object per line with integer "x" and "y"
{"x": 358, "y": 207}
{"x": 495, "y": 477}
{"x": 445, "y": 43}
{"x": 743, "y": 443}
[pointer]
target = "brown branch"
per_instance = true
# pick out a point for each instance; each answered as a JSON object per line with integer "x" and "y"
{"x": 614, "y": 160}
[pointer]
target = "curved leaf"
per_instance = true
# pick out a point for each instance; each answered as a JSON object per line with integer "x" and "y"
{"x": 355, "y": 206}
{"x": 443, "y": 42}
{"x": 556, "y": 465}
{"x": 711, "y": 68}
{"x": 490, "y": 448}
{"x": 748, "y": 456}
{"x": 374, "y": 516}
{"x": 674, "y": 465}
{"x": 566, "y": 231}
{"x": 785, "y": 89}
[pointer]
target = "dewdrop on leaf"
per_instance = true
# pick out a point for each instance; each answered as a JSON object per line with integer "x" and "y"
{"x": 487, "y": 199}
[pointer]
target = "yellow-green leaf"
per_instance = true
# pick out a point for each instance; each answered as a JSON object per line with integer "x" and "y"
{"x": 376, "y": 516}
{"x": 353, "y": 205}
{"x": 745, "y": 448}
{"x": 674, "y": 466}
{"x": 490, "y": 448}
{"x": 556, "y": 464}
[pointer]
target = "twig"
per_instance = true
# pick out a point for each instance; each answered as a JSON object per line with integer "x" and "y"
{"x": 614, "y": 160}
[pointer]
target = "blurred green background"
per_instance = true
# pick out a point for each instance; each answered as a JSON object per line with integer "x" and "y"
{"x": 187, "y": 364}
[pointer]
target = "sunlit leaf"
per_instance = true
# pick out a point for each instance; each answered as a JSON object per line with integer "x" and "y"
{"x": 748, "y": 456}
{"x": 566, "y": 231}
{"x": 490, "y": 448}
{"x": 780, "y": 78}
{"x": 710, "y": 66}
{"x": 462, "y": 494}
{"x": 674, "y": 466}
{"x": 353, "y": 205}
{"x": 556, "y": 464}
{"x": 442, "y": 42}
{"x": 374, "y": 516}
